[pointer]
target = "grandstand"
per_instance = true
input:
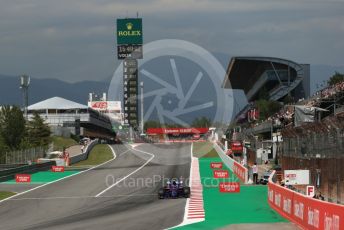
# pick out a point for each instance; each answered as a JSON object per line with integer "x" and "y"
{"x": 313, "y": 140}
{"x": 278, "y": 77}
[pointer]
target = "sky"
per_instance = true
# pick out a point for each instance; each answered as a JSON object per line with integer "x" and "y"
{"x": 73, "y": 40}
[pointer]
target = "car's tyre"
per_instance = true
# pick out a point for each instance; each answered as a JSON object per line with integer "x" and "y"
{"x": 161, "y": 193}
{"x": 187, "y": 192}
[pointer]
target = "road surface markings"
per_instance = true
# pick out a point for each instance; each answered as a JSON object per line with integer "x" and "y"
{"x": 79, "y": 197}
{"x": 133, "y": 172}
{"x": 18, "y": 194}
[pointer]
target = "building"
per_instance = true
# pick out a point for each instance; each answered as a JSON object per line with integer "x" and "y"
{"x": 277, "y": 77}
{"x": 66, "y": 117}
{"x": 112, "y": 109}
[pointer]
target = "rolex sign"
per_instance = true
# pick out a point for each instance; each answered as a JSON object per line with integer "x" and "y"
{"x": 129, "y": 31}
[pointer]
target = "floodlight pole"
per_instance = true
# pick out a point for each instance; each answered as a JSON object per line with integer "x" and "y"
{"x": 142, "y": 122}
{"x": 24, "y": 85}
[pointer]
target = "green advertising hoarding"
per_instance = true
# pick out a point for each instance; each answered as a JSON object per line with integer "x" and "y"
{"x": 129, "y": 31}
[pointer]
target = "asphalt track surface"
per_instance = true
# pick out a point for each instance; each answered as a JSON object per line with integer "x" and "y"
{"x": 84, "y": 201}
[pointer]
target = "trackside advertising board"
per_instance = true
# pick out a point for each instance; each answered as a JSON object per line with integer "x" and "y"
{"x": 57, "y": 169}
{"x": 221, "y": 174}
{"x": 296, "y": 177}
{"x": 216, "y": 165}
{"x": 308, "y": 213}
{"x": 23, "y": 178}
{"x": 229, "y": 187}
{"x": 240, "y": 171}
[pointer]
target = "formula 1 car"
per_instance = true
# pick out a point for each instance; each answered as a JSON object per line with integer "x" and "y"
{"x": 174, "y": 189}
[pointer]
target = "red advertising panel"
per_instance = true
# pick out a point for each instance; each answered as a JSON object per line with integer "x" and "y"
{"x": 229, "y": 187}
{"x": 176, "y": 130}
{"x": 216, "y": 165}
{"x": 221, "y": 174}
{"x": 57, "y": 169}
{"x": 240, "y": 171}
{"x": 180, "y": 141}
{"x": 196, "y": 136}
{"x": 237, "y": 147}
{"x": 308, "y": 213}
{"x": 23, "y": 178}
{"x": 98, "y": 105}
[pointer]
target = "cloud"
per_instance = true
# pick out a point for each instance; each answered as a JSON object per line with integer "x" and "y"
{"x": 74, "y": 39}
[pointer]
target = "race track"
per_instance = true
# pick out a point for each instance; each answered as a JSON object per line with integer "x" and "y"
{"x": 84, "y": 201}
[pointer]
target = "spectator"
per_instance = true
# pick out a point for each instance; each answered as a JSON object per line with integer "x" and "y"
{"x": 320, "y": 197}
{"x": 255, "y": 173}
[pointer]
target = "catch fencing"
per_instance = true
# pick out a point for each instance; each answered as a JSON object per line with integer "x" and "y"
{"x": 318, "y": 147}
{"x": 322, "y": 139}
{"x": 23, "y": 156}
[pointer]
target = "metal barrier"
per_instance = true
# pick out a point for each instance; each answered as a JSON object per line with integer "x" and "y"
{"x": 240, "y": 171}
{"x": 84, "y": 155}
{"x": 9, "y": 174}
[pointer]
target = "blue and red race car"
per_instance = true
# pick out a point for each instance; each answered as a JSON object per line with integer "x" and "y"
{"x": 174, "y": 189}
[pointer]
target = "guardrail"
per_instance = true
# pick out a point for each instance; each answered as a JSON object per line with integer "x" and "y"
{"x": 9, "y": 174}
{"x": 240, "y": 171}
{"x": 9, "y": 166}
{"x": 306, "y": 212}
{"x": 84, "y": 155}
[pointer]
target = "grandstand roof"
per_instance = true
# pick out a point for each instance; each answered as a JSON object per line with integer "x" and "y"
{"x": 279, "y": 76}
{"x": 56, "y": 103}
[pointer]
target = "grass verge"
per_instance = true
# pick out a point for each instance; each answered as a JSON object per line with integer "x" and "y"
{"x": 99, "y": 154}
{"x": 4, "y": 194}
{"x": 204, "y": 150}
{"x": 60, "y": 142}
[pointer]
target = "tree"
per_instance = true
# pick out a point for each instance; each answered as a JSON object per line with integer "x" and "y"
{"x": 3, "y": 150}
{"x": 38, "y": 133}
{"x": 12, "y": 126}
{"x": 203, "y": 122}
{"x": 336, "y": 78}
{"x": 152, "y": 124}
{"x": 267, "y": 108}
{"x": 263, "y": 94}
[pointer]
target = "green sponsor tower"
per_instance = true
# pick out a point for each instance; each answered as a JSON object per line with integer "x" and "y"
{"x": 129, "y": 49}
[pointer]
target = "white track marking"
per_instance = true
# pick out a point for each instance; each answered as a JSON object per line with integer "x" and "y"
{"x": 18, "y": 194}
{"x": 78, "y": 197}
{"x": 121, "y": 154}
{"x": 133, "y": 172}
